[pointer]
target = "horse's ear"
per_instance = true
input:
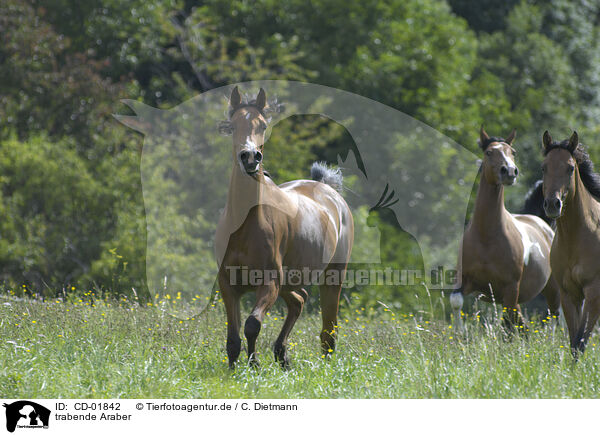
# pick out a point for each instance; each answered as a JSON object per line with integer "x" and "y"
{"x": 573, "y": 142}
{"x": 547, "y": 139}
{"x": 261, "y": 100}
{"x": 236, "y": 99}
{"x": 511, "y": 137}
{"x": 483, "y": 137}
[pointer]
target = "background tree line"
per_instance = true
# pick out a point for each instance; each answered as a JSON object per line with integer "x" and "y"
{"x": 71, "y": 207}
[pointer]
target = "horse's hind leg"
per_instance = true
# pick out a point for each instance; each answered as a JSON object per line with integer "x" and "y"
{"x": 512, "y": 311}
{"x": 265, "y": 298}
{"x": 330, "y": 301}
{"x": 295, "y": 302}
{"x": 552, "y": 294}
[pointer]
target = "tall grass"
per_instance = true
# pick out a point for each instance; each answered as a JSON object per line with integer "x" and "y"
{"x": 100, "y": 349}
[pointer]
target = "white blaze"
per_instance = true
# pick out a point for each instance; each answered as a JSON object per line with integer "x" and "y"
{"x": 250, "y": 146}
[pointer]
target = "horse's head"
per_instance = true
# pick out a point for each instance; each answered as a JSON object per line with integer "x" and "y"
{"x": 382, "y": 210}
{"x": 558, "y": 169}
{"x": 498, "y": 158}
{"x": 247, "y": 124}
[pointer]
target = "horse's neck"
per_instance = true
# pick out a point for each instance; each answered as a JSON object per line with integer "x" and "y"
{"x": 244, "y": 193}
{"x": 489, "y": 212}
{"x": 581, "y": 212}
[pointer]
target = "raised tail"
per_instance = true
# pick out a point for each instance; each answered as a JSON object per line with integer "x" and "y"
{"x": 534, "y": 203}
{"x": 328, "y": 175}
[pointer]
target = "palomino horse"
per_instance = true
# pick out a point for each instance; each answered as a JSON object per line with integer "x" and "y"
{"x": 505, "y": 257}
{"x": 265, "y": 229}
{"x": 572, "y": 196}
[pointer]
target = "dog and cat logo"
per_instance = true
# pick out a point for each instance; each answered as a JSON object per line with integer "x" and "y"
{"x": 26, "y": 414}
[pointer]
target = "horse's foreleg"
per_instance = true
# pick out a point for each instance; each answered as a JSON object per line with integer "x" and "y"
{"x": 295, "y": 302}
{"x": 571, "y": 306}
{"x": 266, "y": 296}
{"x": 590, "y": 315}
{"x": 232, "y": 307}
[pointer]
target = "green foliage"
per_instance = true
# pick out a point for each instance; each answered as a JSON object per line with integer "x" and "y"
{"x": 45, "y": 87}
{"x": 59, "y": 219}
{"x": 72, "y": 207}
{"x": 53, "y": 213}
{"x": 483, "y": 15}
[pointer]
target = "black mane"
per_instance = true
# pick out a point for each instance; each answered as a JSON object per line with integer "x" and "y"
{"x": 590, "y": 179}
{"x": 534, "y": 203}
{"x": 489, "y": 141}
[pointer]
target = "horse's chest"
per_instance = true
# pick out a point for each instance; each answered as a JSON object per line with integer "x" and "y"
{"x": 494, "y": 262}
{"x": 489, "y": 254}
{"x": 573, "y": 275}
{"x": 574, "y": 259}
{"x": 568, "y": 277}
{"x": 251, "y": 246}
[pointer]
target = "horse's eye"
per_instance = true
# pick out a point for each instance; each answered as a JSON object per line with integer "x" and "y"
{"x": 570, "y": 169}
{"x": 488, "y": 153}
{"x": 261, "y": 127}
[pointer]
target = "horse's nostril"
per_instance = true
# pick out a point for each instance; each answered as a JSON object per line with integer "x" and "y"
{"x": 504, "y": 170}
{"x": 516, "y": 171}
{"x": 545, "y": 203}
{"x": 258, "y": 156}
{"x": 557, "y": 203}
{"x": 244, "y": 155}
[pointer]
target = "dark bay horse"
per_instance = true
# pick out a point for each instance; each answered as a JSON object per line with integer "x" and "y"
{"x": 504, "y": 257}
{"x": 274, "y": 233}
{"x": 572, "y": 196}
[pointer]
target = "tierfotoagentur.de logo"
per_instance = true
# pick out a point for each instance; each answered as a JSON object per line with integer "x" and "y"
{"x": 25, "y": 414}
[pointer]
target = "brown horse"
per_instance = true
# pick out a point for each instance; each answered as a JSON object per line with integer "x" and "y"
{"x": 504, "y": 257}
{"x": 273, "y": 233}
{"x": 572, "y": 196}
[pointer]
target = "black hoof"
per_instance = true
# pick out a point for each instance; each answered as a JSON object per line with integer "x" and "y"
{"x": 285, "y": 363}
{"x": 253, "y": 362}
{"x": 578, "y": 345}
{"x": 577, "y": 350}
{"x": 282, "y": 357}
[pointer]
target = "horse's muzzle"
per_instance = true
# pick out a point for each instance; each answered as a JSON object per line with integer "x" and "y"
{"x": 252, "y": 169}
{"x": 553, "y": 207}
{"x": 250, "y": 160}
{"x": 508, "y": 175}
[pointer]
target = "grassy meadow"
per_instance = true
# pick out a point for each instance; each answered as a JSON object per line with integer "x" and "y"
{"x": 85, "y": 348}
